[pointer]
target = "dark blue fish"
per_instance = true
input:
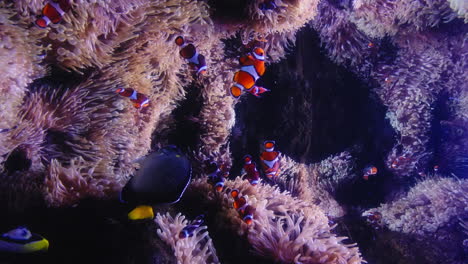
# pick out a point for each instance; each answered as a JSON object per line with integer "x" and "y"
{"x": 21, "y": 240}
{"x": 162, "y": 178}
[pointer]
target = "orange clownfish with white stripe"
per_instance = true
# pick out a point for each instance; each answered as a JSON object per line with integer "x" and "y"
{"x": 189, "y": 52}
{"x": 270, "y": 159}
{"x": 252, "y": 67}
{"x": 138, "y": 100}
{"x": 53, "y": 12}
{"x": 245, "y": 210}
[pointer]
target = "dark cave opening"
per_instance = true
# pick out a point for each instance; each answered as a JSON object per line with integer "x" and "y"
{"x": 17, "y": 161}
{"x": 185, "y": 133}
{"x": 228, "y": 11}
{"x": 317, "y": 109}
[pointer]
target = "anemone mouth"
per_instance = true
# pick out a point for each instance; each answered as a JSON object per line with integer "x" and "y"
{"x": 17, "y": 161}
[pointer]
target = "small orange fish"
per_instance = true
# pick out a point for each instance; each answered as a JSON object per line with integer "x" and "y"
{"x": 251, "y": 169}
{"x": 139, "y": 100}
{"x": 270, "y": 159}
{"x": 436, "y": 168}
{"x": 369, "y": 170}
{"x": 245, "y": 210}
{"x": 370, "y": 45}
{"x": 53, "y": 12}
{"x": 188, "y": 230}
{"x": 252, "y": 67}
{"x": 189, "y": 52}
{"x": 216, "y": 176}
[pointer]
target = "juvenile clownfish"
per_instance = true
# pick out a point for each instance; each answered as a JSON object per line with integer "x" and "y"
{"x": 188, "y": 230}
{"x": 189, "y": 52}
{"x": 245, "y": 210}
{"x": 139, "y": 100}
{"x": 21, "y": 240}
{"x": 53, "y": 12}
{"x": 270, "y": 159}
{"x": 267, "y": 5}
{"x": 216, "y": 176}
{"x": 251, "y": 169}
{"x": 252, "y": 67}
{"x": 436, "y": 168}
{"x": 368, "y": 171}
{"x": 257, "y": 90}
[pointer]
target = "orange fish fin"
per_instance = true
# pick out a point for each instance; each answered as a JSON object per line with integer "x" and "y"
{"x": 236, "y": 91}
{"x": 236, "y": 77}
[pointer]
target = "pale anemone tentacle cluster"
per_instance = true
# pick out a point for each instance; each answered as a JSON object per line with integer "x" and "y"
{"x": 20, "y": 55}
{"x": 196, "y": 249}
{"x": 378, "y": 18}
{"x": 461, "y": 7}
{"x": 430, "y": 205}
{"x": 284, "y": 229}
{"x": 408, "y": 81}
{"x": 308, "y": 183}
{"x": 90, "y": 31}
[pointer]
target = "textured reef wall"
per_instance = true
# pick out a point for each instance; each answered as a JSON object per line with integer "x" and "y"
{"x": 66, "y": 136}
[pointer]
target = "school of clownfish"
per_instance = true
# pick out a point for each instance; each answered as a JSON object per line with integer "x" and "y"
{"x": 252, "y": 64}
{"x": 271, "y": 163}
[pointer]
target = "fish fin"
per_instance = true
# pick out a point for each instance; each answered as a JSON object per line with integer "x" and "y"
{"x": 141, "y": 212}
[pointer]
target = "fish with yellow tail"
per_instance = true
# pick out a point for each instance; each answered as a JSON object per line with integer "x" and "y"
{"x": 138, "y": 100}
{"x": 270, "y": 159}
{"x": 188, "y": 230}
{"x": 252, "y": 67}
{"x": 162, "y": 178}
{"x": 53, "y": 12}
{"x": 191, "y": 55}
{"x": 21, "y": 240}
{"x": 245, "y": 210}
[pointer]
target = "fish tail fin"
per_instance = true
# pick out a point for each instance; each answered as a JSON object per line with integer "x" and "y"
{"x": 141, "y": 212}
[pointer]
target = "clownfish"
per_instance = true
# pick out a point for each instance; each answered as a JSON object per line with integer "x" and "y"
{"x": 436, "y": 168}
{"x": 188, "y": 230}
{"x": 267, "y": 5}
{"x": 21, "y": 240}
{"x": 257, "y": 90}
{"x": 216, "y": 176}
{"x": 270, "y": 159}
{"x": 251, "y": 169}
{"x": 189, "y": 52}
{"x": 139, "y": 100}
{"x": 252, "y": 67}
{"x": 245, "y": 210}
{"x": 53, "y": 12}
{"x": 369, "y": 170}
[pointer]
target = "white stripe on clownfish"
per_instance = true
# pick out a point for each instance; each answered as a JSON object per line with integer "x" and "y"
{"x": 240, "y": 86}
{"x": 194, "y": 59}
{"x": 270, "y": 163}
{"x": 203, "y": 68}
{"x": 57, "y": 7}
{"x": 258, "y": 57}
{"x": 250, "y": 69}
{"x": 47, "y": 20}
{"x": 134, "y": 95}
